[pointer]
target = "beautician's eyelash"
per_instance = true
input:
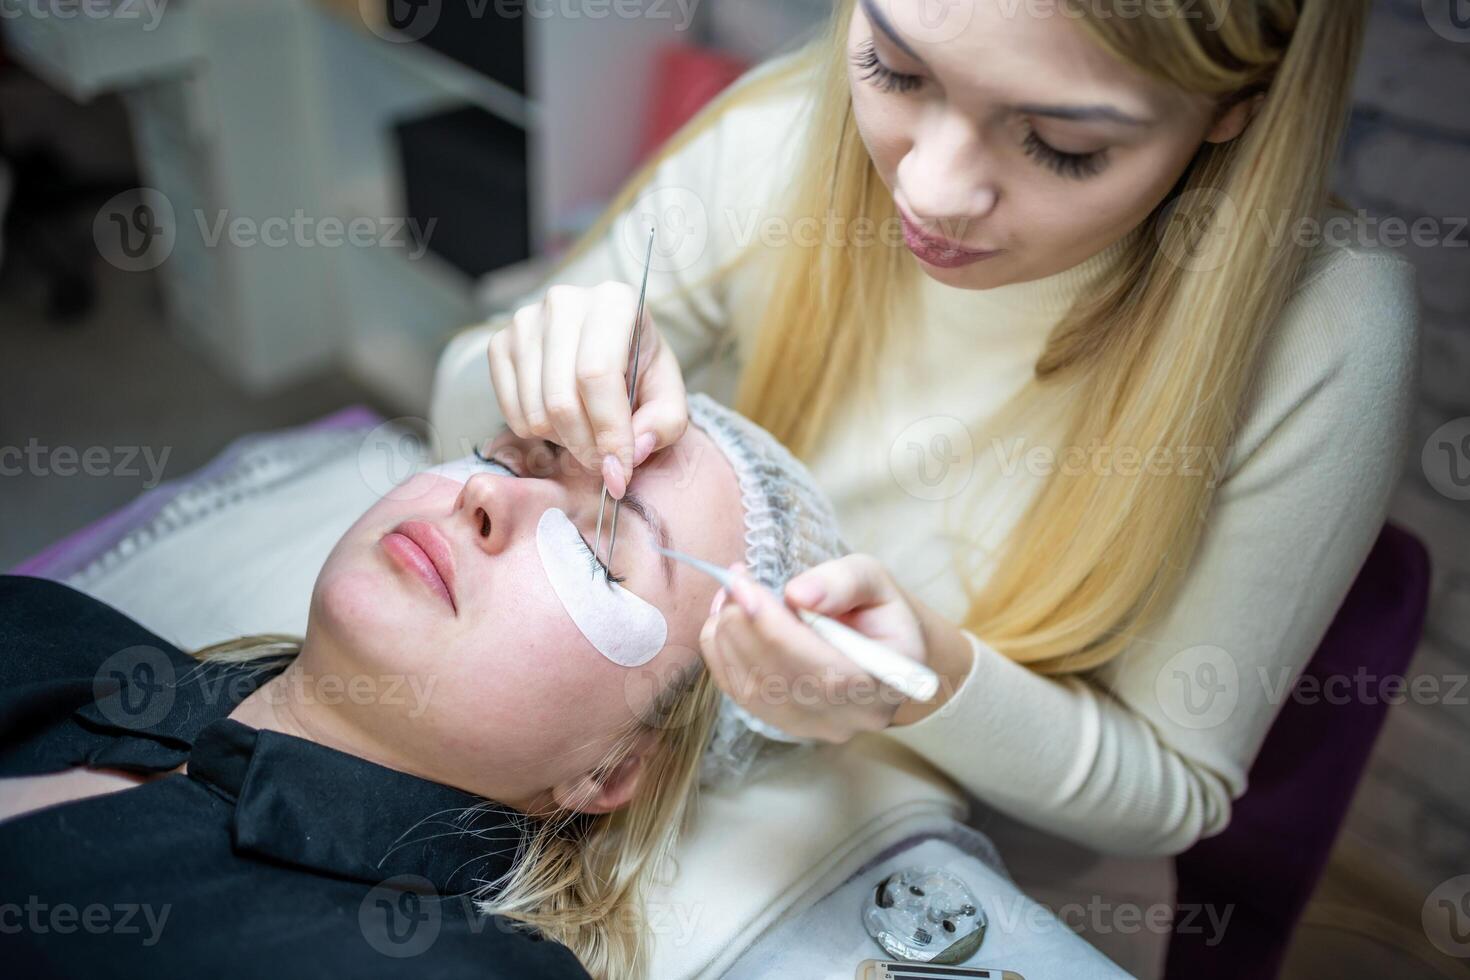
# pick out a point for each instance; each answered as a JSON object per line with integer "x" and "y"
{"x": 885, "y": 78}
{"x": 595, "y": 563}
{"x": 1076, "y": 166}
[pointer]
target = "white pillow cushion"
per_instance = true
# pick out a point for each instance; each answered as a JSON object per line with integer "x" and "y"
{"x": 237, "y": 551}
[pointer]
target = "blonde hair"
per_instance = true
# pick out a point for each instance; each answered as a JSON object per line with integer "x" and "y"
{"x": 584, "y": 880}
{"x": 1161, "y": 355}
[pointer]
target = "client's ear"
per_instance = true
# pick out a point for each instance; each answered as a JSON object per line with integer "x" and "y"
{"x": 606, "y": 788}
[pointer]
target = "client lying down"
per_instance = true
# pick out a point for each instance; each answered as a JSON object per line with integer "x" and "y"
{"x": 225, "y": 815}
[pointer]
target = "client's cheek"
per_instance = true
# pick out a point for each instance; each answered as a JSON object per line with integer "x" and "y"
{"x": 622, "y": 627}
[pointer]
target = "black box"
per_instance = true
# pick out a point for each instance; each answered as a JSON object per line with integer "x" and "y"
{"x": 465, "y": 170}
{"x": 485, "y": 35}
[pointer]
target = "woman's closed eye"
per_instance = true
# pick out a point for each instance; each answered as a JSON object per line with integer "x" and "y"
{"x": 1076, "y": 166}
{"x": 493, "y": 464}
{"x": 595, "y": 563}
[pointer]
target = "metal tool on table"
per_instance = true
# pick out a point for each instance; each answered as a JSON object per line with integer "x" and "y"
{"x": 925, "y": 915}
{"x": 635, "y": 343}
{"x": 903, "y": 674}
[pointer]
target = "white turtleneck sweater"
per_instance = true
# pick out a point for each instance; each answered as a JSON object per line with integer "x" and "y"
{"x": 1144, "y": 756}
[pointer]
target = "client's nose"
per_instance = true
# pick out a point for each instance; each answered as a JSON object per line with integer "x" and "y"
{"x": 498, "y": 508}
{"x": 490, "y": 506}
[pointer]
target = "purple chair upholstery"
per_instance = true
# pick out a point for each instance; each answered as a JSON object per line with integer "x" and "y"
{"x": 1268, "y": 860}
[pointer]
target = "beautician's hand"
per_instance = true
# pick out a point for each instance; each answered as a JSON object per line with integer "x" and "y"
{"x": 782, "y": 672}
{"x": 560, "y": 373}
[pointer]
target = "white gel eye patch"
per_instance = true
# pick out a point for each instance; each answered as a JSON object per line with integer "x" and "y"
{"x": 624, "y": 628}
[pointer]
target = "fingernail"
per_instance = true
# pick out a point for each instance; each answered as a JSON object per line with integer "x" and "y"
{"x": 612, "y": 475}
{"x": 742, "y": 589}
{"x": 718, "y": 602}
{"x": 807, "y": 593}
{"x": 643, "y": 447}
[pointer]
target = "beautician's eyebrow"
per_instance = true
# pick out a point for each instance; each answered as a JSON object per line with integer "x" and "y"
{"x": 1070, "y": 113}
{"x": 651, "y": 519}
{"x": 876, "y": 16}
{"x": 1081, "y": 113}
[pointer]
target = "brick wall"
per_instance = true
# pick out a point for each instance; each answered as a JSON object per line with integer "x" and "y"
{"x": 1408, "y": 155}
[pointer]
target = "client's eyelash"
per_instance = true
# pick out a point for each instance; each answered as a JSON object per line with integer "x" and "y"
{"x": 595, "y": 563}
{"x": 491, "y": 459}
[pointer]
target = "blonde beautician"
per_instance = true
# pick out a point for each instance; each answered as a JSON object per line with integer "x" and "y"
{"x": 1033, "y": 289}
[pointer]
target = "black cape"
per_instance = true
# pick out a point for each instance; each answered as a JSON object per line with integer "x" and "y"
{"x": 272, "y": 857}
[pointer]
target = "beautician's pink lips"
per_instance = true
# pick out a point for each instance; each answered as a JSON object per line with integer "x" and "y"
{"x": 420, "y": 547}
{"x": 938, "y": 251}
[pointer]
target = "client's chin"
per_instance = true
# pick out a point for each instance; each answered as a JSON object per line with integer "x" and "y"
{"x": 369, "y": 606}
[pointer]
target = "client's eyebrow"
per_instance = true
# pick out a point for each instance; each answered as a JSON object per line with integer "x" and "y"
{"x": 656, "y": 527}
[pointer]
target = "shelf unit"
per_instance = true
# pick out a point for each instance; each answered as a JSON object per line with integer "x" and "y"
{"x": 267, "y": 109}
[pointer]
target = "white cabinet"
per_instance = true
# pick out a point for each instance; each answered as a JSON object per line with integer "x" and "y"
{"x": 256, "y": 119}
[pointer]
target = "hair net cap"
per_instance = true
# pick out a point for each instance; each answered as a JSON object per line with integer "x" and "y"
{"x": 789, "y": 527}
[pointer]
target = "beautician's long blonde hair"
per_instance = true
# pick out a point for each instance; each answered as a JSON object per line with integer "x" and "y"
{"x": 585, "y": 881}
{"x": 1160, "y": 356}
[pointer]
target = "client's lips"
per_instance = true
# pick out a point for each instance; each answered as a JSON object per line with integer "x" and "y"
{"x": 420, "y": 547}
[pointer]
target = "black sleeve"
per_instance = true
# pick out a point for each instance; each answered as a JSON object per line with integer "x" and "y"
{"x": 65, "y": 659}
